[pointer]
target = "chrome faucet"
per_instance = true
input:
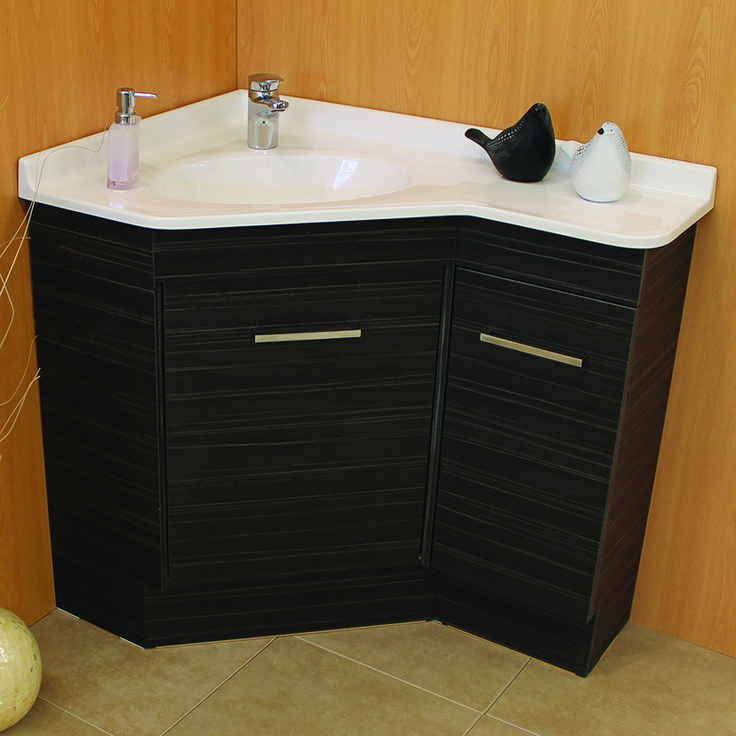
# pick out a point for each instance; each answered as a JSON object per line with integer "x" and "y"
{"x": 264, "y": 106}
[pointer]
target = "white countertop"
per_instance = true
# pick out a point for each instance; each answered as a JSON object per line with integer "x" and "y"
{"x": 446, "y": 174}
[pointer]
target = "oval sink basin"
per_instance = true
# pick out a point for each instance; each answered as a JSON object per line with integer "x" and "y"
{"x": 278, "y": 178}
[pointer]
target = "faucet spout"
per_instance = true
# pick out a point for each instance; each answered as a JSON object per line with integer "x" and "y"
{"x": 264, "y": 106}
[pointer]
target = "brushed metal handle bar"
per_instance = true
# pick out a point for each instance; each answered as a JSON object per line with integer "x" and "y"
{"x": 299, "y": 336}
{"x": 532, "y": 350}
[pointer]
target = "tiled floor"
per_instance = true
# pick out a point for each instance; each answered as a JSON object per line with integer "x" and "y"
{"x": 422, "y": 679}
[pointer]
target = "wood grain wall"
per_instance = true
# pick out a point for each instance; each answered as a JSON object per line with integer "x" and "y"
{"x": 60, "y": 64}
{"x": 664, "y": 72}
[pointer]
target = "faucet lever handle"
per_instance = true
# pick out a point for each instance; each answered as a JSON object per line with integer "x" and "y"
{"x": 264, "y": 82}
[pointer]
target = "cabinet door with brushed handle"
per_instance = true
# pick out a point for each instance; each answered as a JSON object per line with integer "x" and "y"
{"x": 298, "y": 415}
{"x": 536, "y": 380}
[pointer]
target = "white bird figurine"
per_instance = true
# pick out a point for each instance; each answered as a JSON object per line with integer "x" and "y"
{"x": 601, "y": 168}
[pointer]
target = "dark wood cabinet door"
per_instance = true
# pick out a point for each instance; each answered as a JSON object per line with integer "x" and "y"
{"x": 298, "y": 418}
{"x": 536, "y": 379}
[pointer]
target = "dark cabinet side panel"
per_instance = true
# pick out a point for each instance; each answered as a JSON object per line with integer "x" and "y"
{"x": 652, "y": 360}
{"x": 95, "y": 316}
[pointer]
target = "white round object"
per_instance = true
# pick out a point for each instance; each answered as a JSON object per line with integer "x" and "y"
{"x": 20, "y": 669}
{"x": 601, "y": 169}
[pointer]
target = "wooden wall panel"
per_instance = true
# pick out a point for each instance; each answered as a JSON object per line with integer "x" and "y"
{"x": 664, "y": 72}
{"x": 60, "y": 64}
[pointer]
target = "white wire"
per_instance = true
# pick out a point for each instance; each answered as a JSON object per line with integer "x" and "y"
{"x": 4, "y": 279}
{"x": 14, "y": 414}
{"x": 19, "y": 237}
{"x": 25, "y": 370}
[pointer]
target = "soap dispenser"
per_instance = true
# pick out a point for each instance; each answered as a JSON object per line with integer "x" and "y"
{"x": 123, "y": 146}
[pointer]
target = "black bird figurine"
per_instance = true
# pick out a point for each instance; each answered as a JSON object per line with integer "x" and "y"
{"x": 526, "y": 150}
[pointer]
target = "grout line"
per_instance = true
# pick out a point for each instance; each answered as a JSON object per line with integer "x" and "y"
{"x": 487, "y": 713}
{"x": 513, "y": 725}
{"x": 219, "y": 686}
{"x": 469, "y": 732}
{"x": 474, "y": 724}
{"x": 76, "y": 717}
{"x": 388, "y": 674}
{"x": 505, "y": 689}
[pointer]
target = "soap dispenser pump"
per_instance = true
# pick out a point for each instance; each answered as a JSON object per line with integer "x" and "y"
{"x": 123, "y": 149}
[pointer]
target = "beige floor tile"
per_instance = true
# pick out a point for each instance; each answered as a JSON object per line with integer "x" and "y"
{"x": 647, "y": 683}
{"x": 491, "y": 727}
{"x": 293, "y": 687}
{"x": 125, "y": 689}
{"x": 45, "y": 720}
{"x": 448, "y": 662}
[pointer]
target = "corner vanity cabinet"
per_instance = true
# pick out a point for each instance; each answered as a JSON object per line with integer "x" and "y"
{"x": 271, "y": 429}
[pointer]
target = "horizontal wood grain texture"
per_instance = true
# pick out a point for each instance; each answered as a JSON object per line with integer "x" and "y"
{"x": 60, "y": 63}
{"x": 312, "y": 247}
{"x": 553, "y": 639}
{"x": 546, "y": 259}
{"x": 299, "y": 456}
{"x": 651, "y": 363}
{"x": 268, "y": 608}
{"x": 95, "y": 313}
{"x": 662, "y": 71}
{"x": 215, "y": 471}
{"x": 214, "y": 612}
{"x": 547, "y": 468}
{"x": 528, "y": 444}
{"x": 293, "y": 491}
{"x": 652, "y": 359}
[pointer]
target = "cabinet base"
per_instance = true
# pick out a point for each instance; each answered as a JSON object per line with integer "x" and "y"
{"x": 151, "y": 618}
{"x": 575, "y": 647}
